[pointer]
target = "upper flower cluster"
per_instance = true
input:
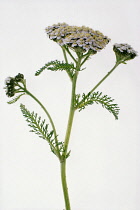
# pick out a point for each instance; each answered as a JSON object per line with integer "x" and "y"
{"x": 124, "y": 52}
{"x": 11, "y": 84}
{"x": 83, "y": 39}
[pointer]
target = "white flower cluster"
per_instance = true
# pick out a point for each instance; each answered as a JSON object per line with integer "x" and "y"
{"x": 82, "y": 38}
{"x": 124, "y": 51}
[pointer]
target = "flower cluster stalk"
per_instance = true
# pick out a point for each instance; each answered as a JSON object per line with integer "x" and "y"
{"x": 100, "y": 82}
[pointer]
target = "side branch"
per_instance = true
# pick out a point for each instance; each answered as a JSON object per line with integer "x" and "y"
{"x": 99, "y": 83}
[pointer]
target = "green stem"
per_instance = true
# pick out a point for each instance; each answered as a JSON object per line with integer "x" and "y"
{"x": 99, "y": 83}
{"x": 88, "y": 55}
{"x": 71, "y": 113}
{"x": 107, "y": 75}
{"x": 64, "y": 185}
{"x": 67, "y": 49}
{"x": 64, "y": 53}
{"x": 67, "y": 138}
{"x": 66, "y": 60}
{"x": 66, "y": 142}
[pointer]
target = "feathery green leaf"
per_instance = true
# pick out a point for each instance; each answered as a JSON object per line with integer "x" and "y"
{"x": 37, "y": 125}
{"x": 40, "y": 128}
{"x": 98, "y": 98}
{"x": 57, "y": 66}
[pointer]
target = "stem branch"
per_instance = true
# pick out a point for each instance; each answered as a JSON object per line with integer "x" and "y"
{"x": 70, "y": 54}
{"x": 66, "y": 60}
{"x": 99, "y": 83}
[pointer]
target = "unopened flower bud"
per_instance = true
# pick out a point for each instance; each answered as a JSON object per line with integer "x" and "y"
{"x": 19, "y": 77}
{"x": 12, "y": 87}
{"x": 9, "y": 82}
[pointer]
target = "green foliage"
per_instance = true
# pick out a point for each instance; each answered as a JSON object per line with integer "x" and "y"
{"x": 15, "y": 99}
{"x": 98, "y": 98}
{"x": 40, "y": 128}
{"x": 57, "y": 66}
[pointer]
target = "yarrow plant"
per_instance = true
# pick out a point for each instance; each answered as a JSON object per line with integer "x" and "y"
{"x": 80, "y": 43}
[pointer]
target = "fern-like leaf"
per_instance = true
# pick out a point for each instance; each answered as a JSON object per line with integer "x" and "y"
{"x": 39, "y": 127}
{"x": 98, "y": 98}
{"x": 15, "y": 99}
{"x": 57, "y": 66}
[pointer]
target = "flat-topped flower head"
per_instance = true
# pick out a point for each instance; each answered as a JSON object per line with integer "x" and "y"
{"x": 124, "y": 52}
{"x": 83, "y": 39}
{"x": 12, "y": 84}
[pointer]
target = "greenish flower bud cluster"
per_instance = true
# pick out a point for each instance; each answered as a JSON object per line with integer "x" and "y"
{"x": 124, "y": 52}
{"x": 80, "y": 39}
{"x": 12, "y": 84}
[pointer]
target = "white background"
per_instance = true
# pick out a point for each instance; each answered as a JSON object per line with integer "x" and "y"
{"x": 101, "y": 170}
